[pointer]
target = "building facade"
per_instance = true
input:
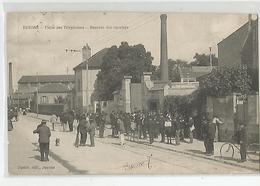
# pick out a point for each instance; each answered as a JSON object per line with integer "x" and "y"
{"x": 240, "y": 47}
{"x": 28, "y": 85}
{"x": 85, "y": 77}
{"x": 52, "y": 98}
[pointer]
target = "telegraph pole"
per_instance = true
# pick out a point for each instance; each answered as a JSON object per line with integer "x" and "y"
{"x": 86, "y": 63}
{"x": 37, "y": 93}
{"x": 71, "y": 51}
{"x": 210, "y": 59}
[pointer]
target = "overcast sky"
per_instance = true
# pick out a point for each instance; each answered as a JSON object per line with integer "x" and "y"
{"x": 43, "y": 50}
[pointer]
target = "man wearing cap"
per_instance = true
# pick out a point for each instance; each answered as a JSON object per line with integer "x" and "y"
{"x": 44, "y": 139}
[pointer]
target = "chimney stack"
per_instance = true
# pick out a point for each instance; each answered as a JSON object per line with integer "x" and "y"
{"x": 10, "y": 80}
{"x": 86, "y": 52}
{"x": 164, "y": 52}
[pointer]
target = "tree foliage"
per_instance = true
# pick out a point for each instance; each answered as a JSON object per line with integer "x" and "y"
{"x": 119, "y": 62}
{"x": 203, "y": 60}
{"x": 225, "y": 81}
{"x": 174, "y": 70}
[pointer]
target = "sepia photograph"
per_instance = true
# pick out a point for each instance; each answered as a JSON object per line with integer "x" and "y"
{"x": 132, "y": 93}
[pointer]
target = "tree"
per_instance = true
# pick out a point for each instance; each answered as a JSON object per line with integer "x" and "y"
{"x": 174, "y": 70}
{"x": 203, "y": 60}
{"x": 119, "y": 62}
{"x": 224, "y": 81}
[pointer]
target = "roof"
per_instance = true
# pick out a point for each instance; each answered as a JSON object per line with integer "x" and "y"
{"x": 206, "y": 69}
{"x": 158, "y": 86}
{"x": 194, "y": 71}
{"x": 94, "y": 62}
{"x": 47, "y": 79}
{"x": 54, "y": 88}
{"x": 254, "y": 23}
{"x": 20, "y": 96}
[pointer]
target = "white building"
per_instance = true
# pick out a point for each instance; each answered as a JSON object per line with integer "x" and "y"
{"x": 85, "y": 77}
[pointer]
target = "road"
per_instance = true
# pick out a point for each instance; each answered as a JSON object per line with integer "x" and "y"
{"x": 108, "y": 157}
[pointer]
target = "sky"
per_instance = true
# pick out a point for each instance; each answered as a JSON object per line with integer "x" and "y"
{"x": 37, "y": 42}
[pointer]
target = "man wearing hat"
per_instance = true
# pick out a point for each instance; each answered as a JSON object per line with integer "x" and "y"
{"x": 91, "y": 130}
{"x": 82, "y": 129}
{"x": 243, "y": 141}
{"x": 44, "y": 139}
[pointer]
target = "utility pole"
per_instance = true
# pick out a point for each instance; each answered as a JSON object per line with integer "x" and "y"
{"x": 37, "y": 93}
{"x": 210, "y": 59}
{"x": 18, "y": 104}
{"x": 86, "y": 63}
{"x": 71, "y": 51}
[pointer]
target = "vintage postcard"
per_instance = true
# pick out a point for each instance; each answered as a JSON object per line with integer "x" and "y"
{"x": 128, "y": 93}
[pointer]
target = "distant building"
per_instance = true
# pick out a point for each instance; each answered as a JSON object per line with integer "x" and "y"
{"x": 240, "y": 47}
{"x": 149, "y": 95}
{"x": 51, "y": 98}
{"x": 85, "y": 77}
{"x": 192, "y": 73}
{"x": 27, "y": 85}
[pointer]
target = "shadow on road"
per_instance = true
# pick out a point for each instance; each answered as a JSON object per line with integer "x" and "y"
{"x": 197, "y": 151}
{"x": 63, "y": 162}
{"x": 116, "y": 144}
{"x": 227, "y": 158}
{"x": 37, "y": 157}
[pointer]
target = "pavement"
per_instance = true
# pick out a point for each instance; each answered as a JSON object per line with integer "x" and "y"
{"x": 197, "y": 149}
{"x": 108, "y": 157}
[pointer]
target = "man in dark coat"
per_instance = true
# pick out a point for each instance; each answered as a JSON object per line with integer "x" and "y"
{"x": 205, "y": 129}
{"x": 191, "y": 128}
{"x": 138, "y": 122}
{"x": 182, "y": 126}
{"x": 151, "y": 127}
{"x": 44, "y": 139}
{"x": 70, "y": 117}
{"x": 100, "y": 121}
{"x": 113, "y": 123}
{"x": 211, "y": 137}
{"x": 83, "y": 130}
{"x": 177, "y": 128}
{"x": 91, "y": 130}
{"x": 162, "y": 127}
{"x": 242, "y": 135}
{"x": 144, "y": 127}
{"x": 121, "y": 130}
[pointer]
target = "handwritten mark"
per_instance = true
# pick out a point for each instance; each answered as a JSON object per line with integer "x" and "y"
{"x": 139, "y": 164}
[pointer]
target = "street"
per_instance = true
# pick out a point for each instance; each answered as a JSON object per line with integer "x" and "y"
{"x": 107, "y": 157}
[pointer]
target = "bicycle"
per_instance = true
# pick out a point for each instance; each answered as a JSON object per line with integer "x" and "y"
{"x": 227, "y": 150}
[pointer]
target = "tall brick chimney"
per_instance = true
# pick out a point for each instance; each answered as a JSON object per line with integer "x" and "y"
{"x": 164, "y": 50}
{"x": 10, "y": 80}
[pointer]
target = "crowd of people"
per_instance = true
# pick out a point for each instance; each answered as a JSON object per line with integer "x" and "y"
{"x": 167, "y": 127}
{"x": 151, "y": 125}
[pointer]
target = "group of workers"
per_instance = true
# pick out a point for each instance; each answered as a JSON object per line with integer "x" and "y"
{"x": 148, "y": 125}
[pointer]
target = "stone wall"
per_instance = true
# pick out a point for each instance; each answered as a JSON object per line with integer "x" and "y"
{"x": 224, "y": 108}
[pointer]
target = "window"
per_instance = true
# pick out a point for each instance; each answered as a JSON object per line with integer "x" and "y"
{"x": 44, "y": 99}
